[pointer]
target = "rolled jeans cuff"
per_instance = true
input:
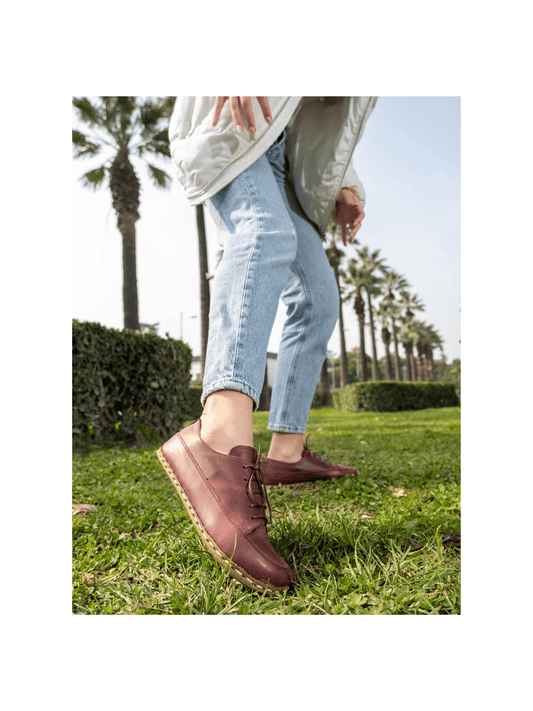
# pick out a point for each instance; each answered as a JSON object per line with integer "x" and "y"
{"x": 287, "y": 429}
{"x": 226, "y": 384}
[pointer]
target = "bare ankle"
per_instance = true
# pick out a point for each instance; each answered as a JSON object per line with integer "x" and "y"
{"x": 286, "y": 447}
{"x": 227, "y": 421}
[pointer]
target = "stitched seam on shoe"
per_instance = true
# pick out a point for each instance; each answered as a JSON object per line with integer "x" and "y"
{"x": 200, "y": 523}
{"x": 254, "y": 583}
{"x": 243, "y": 531}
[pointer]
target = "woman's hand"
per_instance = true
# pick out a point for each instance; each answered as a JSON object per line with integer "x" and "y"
{"x": 349, "y": 212}
{"x": 240, "y": 106}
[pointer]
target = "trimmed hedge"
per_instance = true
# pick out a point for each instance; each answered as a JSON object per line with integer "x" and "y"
{"x": 391, "y": 396}
{"x": 194, "y": 404}
{"x": 127, "y": 386}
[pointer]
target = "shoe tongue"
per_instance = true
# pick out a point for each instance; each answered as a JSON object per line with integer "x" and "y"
{"x": 247, "y": 453}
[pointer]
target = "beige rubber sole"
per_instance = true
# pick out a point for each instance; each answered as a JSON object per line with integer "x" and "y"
{"x": 234, "y": 570}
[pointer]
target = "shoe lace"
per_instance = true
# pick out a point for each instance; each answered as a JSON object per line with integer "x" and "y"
{"x": 255, "y": 475}
{"x": 320, "y": 455}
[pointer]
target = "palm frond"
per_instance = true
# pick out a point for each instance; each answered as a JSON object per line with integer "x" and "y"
{"x": 154, "y": 110}
{"x": 94, "y": 179}
{"x": 157, "y": 145}
{"x": 118, "y": 117}
{"x": 151, "y": 112}
{"x": 86, "y": 111}
{"x": 126, "y": 107}
{"x": 159, "y": 178}
{"x": 82, "y": 147}
{"x": 154, "y": 117}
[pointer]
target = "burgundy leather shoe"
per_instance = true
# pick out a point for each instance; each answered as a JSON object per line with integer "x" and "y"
{"x": 226, "y": 501}
{"x": 310, "y": 467}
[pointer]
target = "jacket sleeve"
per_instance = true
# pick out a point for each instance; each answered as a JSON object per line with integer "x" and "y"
{"x": 352, "y": 181}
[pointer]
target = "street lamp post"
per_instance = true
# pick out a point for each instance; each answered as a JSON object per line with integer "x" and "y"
{"x": 181, "y": 323}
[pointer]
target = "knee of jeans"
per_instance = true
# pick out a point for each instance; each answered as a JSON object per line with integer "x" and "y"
{"x": 281, "y": 240}
{"x": 326, "y": 303}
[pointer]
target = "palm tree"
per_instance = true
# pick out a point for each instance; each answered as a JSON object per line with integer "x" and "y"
{"x": 371, "y": 262}
{"x": 396, "y": 313}
{"x": 383, "y": 312}
{"x": 355, "y": 277}
{"x": 420, "y": 329}
{"x": 335, "y": 256}
{"x": 127, "y": 126}
{"x": 430, "y": 340}
{"x": 409, "y": 303}
{"x": 323, "y": 384}
{"x": 205, "y": 294}
{"x": 393, "y": 281}
{"x": 408, "y": 337}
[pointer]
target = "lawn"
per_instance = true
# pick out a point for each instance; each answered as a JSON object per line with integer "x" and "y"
{"x": 384, "y": 543}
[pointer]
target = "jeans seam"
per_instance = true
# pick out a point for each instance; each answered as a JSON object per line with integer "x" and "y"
{"x": 245, "y": 292}
{"x": 301, "y": 341}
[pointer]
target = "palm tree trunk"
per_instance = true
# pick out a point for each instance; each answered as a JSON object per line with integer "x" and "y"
{"x": 359, "y": 307}
{"x": 264, "y": 398}
{"x": 125, "y": 188}
{"x": 397, "y": 370}
{"x": 205, "y": 297}
{"x": 375, "y": 369}
{"x": 413, "y": 362}
{"x": 425, "y": 361}
{"x": 406, "y": 347}
{"x": 421, "y": 363}
{"x": 385, "y": 336}
{"x": 344, "y": 360}
{"x": 324, "y": 384}
{"x": 431, "y": 365}
{"x": 126, "y": 225}
{"x": 345, "y": 378}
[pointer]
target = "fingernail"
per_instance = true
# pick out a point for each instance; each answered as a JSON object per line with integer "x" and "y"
{"x": 252, "y": 130}
{"x": 268, "y": 119}
{"x": 239, "y": 129}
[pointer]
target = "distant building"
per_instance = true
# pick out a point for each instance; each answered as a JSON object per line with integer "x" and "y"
{"x": 196, "y": 368}
{"x": 271, "y": 368}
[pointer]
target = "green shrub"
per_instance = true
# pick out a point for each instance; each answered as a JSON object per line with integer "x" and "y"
{"x": 336, "y": 396}
{"x": 318, "y": 400}
{"x": 391, "y": 396}
{"x": 194, "y": 404}
{"x": 128, "y": 387}
{"x": 453, "y": 375}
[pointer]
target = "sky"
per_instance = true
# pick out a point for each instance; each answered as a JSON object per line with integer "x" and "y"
{"x": 409, "y": 163}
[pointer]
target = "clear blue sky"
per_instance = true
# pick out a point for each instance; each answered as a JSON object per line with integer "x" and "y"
{"x": 409, "y": 163}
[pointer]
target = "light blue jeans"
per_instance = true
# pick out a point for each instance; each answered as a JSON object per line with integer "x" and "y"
{"x": 271, "y": 251}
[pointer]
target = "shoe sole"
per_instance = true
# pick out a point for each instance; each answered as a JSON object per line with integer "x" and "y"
{"x": 234, "y": 570}
{"x": 306, "y": 481}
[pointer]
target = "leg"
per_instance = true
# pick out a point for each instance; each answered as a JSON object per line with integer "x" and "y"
{"x": 286, "y": 447}
{"x": 312, "y": 301}
{"x": 227, "y": 420}
{"x": 259, "y": 243}
{"x": 211, "y": 463}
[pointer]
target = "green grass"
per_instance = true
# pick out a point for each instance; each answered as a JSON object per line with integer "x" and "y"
{"x": 354, "y": 546}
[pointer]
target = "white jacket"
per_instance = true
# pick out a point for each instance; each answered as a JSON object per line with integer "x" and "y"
{"x": 321, "y": 136}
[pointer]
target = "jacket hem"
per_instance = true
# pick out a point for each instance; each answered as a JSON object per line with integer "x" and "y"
{"x": 263, "y": 143}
